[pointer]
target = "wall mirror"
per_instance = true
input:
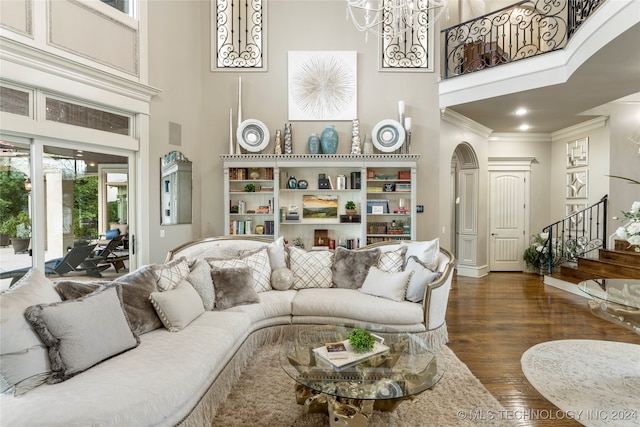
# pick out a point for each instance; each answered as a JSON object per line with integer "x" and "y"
{"x": 175, "y": 189}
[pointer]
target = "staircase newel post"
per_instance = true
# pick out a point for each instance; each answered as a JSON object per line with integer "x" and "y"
{"x": 604, "y": 221}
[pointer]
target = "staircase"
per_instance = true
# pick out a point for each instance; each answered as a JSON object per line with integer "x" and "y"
{"x": 621, "y": 262}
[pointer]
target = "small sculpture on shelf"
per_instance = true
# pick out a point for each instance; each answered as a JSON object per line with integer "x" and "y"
{"x": 278, "y": 142}
{"x": 355, "y": 137}
{"x": 288, "y": 143}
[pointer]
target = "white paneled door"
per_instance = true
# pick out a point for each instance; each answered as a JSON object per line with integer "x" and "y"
{"x": 507, "y": 220}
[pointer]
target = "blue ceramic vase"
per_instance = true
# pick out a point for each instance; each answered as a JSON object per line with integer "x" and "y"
{"x": 314, "y": 144}
{"x": 329, "y": 140}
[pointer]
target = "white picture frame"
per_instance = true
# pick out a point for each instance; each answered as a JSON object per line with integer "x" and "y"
{"x": 322, "y": 85}
{"x": 578, "y": 153}
{"x": 577, "y": 184}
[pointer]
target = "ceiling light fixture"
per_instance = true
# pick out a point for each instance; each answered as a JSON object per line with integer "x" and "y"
{"x": 521, "y": 111}
{"x": 393, "y": 18}
{"x": 524, "y": 126}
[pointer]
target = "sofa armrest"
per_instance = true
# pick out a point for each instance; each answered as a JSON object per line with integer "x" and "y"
{"x": 436, "y": 294}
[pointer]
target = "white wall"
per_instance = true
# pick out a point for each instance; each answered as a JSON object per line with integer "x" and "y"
{"x": 315, "y": 25}
{"x": 175, "y": 64}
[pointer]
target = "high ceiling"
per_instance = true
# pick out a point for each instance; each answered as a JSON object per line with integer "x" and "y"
{"x": 610, "y": 74}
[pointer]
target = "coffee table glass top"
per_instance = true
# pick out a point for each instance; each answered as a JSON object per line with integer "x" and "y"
{"x": 407, "y": 368}
{"x": 625, "y": 292}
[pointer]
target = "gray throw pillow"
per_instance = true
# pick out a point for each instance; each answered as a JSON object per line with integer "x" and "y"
{"x": 82, "y": 333}
{"x": 200, "y": 279}
{"x": 234, "y": 286}
{"x": 136, "y": 288}
{"x": 350, "y": 268}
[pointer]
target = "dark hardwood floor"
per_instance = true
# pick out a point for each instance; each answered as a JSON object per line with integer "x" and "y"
{"x": 493, "y": 320}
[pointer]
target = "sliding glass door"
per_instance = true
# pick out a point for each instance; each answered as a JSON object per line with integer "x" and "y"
{"x": 59, "y": 197}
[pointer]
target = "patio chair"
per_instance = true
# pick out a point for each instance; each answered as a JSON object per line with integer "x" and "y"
{"x": 79, "y": 258}
{"x": 110, "y": 254}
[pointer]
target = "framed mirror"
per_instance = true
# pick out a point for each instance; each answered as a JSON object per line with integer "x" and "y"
{"x": 175, "y": 189}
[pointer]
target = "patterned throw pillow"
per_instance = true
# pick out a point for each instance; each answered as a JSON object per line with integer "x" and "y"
{"x": 392, "y": 261}
{"x": 310, "y": 269}
{"x": 171, "y": 274}
{"x": 257, "y": 261}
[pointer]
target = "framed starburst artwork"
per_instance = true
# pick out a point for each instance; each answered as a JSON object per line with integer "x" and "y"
{"x": 322, "y": 85}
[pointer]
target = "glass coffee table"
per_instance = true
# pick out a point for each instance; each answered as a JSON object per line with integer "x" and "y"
{"x": 615, "y": 300}
{"x": 404, "y": 367}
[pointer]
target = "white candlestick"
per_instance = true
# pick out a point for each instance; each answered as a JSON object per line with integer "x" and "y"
{"x": 238, "y": 149}
{"x": 407, "y": 124}
{"x": 401, "y": 108}
{"x": 239, "y": 101}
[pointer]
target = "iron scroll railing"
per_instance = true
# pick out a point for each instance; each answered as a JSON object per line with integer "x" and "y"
{"x": 525, "y": 29}
{"x": 576, "y": 236}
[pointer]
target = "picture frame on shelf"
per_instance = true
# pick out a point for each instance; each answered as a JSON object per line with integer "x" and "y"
{"x": 319, "y": 206}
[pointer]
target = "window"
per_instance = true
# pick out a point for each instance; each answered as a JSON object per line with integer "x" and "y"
{"x": 124, "y": 6}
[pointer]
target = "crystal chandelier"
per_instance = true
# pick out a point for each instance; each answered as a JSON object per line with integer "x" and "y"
{"x": 393, "y": 18}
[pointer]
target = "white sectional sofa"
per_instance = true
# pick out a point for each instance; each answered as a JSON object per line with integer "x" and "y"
{"x": 181, "y": 377}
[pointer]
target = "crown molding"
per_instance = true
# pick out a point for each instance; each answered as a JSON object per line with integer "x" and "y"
{"x": 580, "y": 129}
{"x": 457, "y": 119}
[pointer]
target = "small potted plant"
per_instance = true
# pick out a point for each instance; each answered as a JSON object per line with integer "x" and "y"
{"x": 350, "y": 208}
{"x": 19, "y": 228}
{"x": 361, "y": 340}
{"x": 250, "y": 188}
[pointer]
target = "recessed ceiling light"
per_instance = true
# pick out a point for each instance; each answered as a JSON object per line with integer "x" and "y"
{"x": 521, "y": 111}
{"x": 524, "y": 126}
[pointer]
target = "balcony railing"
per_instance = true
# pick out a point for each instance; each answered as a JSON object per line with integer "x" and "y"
{"x": 522, "y": 30}
{"x": 576, "y": 236}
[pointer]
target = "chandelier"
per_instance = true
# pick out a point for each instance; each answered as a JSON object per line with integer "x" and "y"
{"x": 393, "y": 18}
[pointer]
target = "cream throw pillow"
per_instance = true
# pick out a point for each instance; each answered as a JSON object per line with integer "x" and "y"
{"x": 387, "y": 285}
{"x": 178, "y": 307}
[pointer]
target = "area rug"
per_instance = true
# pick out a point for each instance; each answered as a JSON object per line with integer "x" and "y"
{"x": 264, "y": 396}
{"x": 595, "y": 382}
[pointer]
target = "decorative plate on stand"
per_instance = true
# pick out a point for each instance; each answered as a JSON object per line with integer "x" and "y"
{"x": 253, "y": 135}
{"x": 388, "y": 135}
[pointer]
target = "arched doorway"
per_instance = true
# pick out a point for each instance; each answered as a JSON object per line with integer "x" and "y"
{"x": 464, "y": 210}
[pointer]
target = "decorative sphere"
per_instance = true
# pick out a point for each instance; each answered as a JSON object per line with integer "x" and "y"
{"x": 281, "y": 279}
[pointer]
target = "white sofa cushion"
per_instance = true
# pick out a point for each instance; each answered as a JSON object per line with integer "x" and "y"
{"x": 272, "y": 304}
{"x": 352, "y": 304}
{"x": 24, "y": 360}
{"x": 148, "y": 386}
